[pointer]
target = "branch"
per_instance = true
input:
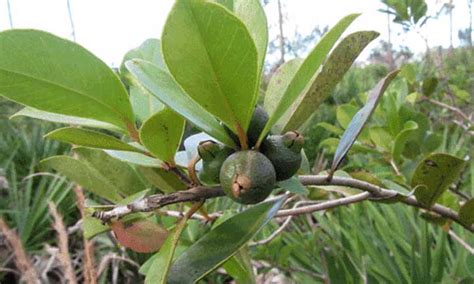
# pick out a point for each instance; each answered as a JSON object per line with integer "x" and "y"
{"x": 456, "y": 110}
{"x": 372, "y": 192}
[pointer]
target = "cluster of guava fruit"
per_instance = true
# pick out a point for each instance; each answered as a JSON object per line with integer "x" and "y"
{"x": 249, "y": 176}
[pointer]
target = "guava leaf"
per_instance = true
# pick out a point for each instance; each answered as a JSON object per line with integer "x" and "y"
{"x": 164, "y": 87}
{"x": 466, "y": 213}
{"x": 337, "y": 64}
{"x": 89, "y": 138}
{"x": 217, "y": 246}
{"x": 162, "y": 133}
{"x": 64, "y": 119}
{"x": 40, "y": 70}
{"x": 251, "y": 13}
{"x": 143, "y": 236}
{"x": 212, "y": 56}
{"x": 433, "y": 175}
{"x": 240, "y": 267}
{"x": 294, "y": 185}
{"x": 306, "y": 71}
{"x": 277, "y": 86}
{"x": 409, "y": 129}
{"x": 134, "y": 158}
{"x": 359, "y": 120}
{"x": 144, "y": 104}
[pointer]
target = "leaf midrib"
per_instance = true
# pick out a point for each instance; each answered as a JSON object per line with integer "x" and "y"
{"x": 55, "y": 84}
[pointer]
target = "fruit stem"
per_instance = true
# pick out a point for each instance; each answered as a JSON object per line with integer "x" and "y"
{"x": 192, "y": 169}
{"x": 242, "y": 137}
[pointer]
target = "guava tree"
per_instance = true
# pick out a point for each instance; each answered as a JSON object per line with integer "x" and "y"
{"x": 131, "y": 151}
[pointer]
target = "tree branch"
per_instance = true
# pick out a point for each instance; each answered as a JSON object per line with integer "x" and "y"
{"x": 372, "y": 192}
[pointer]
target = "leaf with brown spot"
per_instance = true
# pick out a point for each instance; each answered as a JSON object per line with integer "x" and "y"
{"x": 142, "y": 236}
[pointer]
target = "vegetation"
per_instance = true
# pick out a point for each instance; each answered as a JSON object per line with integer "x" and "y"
{"x": 333, "y": 173}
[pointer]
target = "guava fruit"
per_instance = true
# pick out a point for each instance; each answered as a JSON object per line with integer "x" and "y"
{"x": 247, "y": 177}
{"x": 257, "y": 123}
{"x": 213, "y": 156}
{"x": 284, "y": 152}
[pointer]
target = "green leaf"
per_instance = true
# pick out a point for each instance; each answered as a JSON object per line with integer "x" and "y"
{"x": 64, "y": 119}
{"x": 163, "y": 86}
{"x": 52, "y": 74}
{"x": 345, "y": 113}
{"x": 306, "y": 71}
{"x": 83, "y": 174}
{"x": 277, "y": 86}
{"x": 89, "y": 138}
{"x": 466, "y": 213}
{"x": 251, "y": 13}
{"x": 144, "y": 104}
{"x": 134, "y": 158}
{"x": 98, "y": 173}
{"x": 381, "y": 137}
{"x": 340, "y": 60}
{"x": 359, "y": 120}
{"x": 162, "y": 179}
{"x": 217, "y": 246}
{"x": 219, "y": 58}
{"x": 240, "y": 267}
{"x": 149, "y": 50}
{"x": 92, "y": 227}
{"x": 405, "y": 136}
{"x": 160, "y": 267}
{"x": 331, "y": 128}
{"x": 293, "y": 185}
{"x": 162, "y": 133}
{"x": 433, "y": 175}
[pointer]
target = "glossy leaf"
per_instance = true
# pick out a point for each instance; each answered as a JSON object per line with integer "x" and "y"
{"x": 405, "y": 136}
{"x": 219, "y": 56}
{"x": 162, "y": 133}
{"x": 160, "y": 267}
{"x": 293, "y": 185}
{"x": 359, "y": 120}
{"x": 306, "y": 71}
{"x": 466, "y": 213}
{"x": 433, "y": 175}
{"x": 251, "y": 13}
{"x": 144, "y": 104}
{"x": 277, "y": 86}
{"x": 337, "y": 64}
{"x": 89, "y": 138}
{"x": 92, "y": 227}
{"x": 163, "y": 86}
{"x": 162, "y": 179}
{"x": 40, "y": 70}
{"x": 240, "y": 267}
{"x": 64, "y": 119}
{"x": 84, "y": 174}
{"x": 217, "y": 246}
{"x": 134, "y": 158}
{"x": 142, "y": 236}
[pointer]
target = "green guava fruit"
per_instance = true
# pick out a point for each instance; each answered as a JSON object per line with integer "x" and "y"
{"x": 284, "y": 151}
{"x": 257, "y": 123}
{"x": 247, "y": 177}
{"x": 213, "y": 156}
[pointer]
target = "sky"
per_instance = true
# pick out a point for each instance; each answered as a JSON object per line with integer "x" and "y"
{"x": 109, "y": 28}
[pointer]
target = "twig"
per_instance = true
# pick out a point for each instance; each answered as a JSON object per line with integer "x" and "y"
{"x": 64, "y": 257}
{"x": 192, "y": 169}
{"x": 324, "y": 205}
{"x": 153, "y": 202}
{"x": 156, "y": 201}
{"x": 112, "y": 256}
{"x": 184, "y": 178}
{"x": 461, "y": 242}
{"x": 23, "y": 263}
{"x": 456, "y": 110}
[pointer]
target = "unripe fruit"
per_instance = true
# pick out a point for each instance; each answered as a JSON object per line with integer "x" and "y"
{"x": 284, "y": 151}
{"x": 247, "y": 177}
{"x": 257, "y": 123}
{"x": 213, "y": 156}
